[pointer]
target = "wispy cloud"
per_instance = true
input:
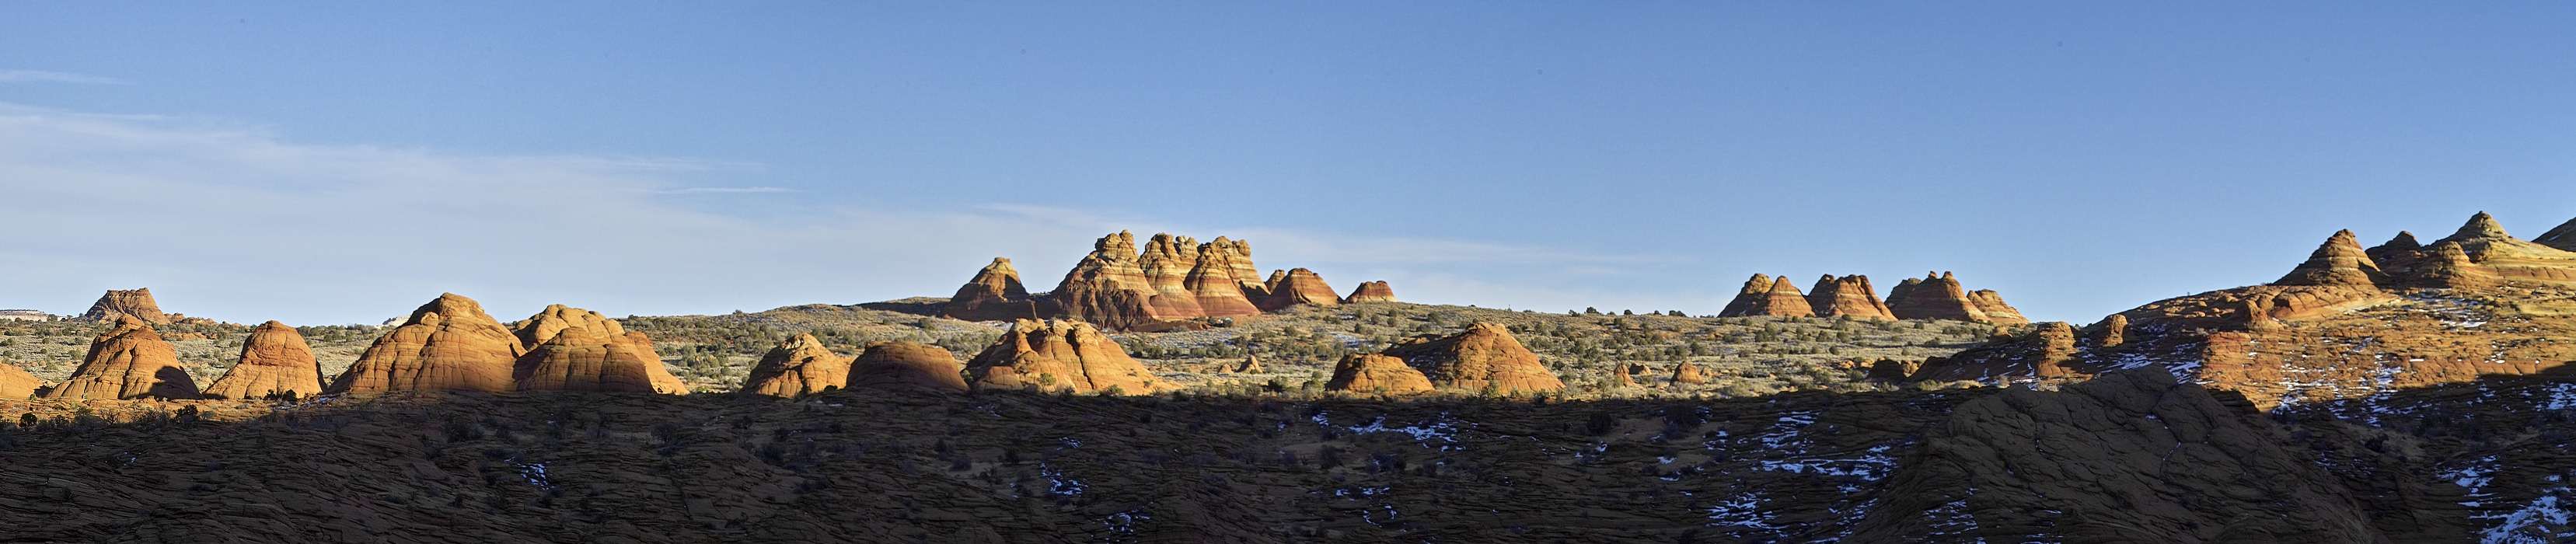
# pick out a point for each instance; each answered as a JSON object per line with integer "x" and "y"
{"x": 45, "y": 76}
{"x": 722, "y": 190}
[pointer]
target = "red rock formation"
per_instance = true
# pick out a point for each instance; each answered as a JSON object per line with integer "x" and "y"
{"x": 1300, "y": 287}
{"x": 995, "y": 294}
{"x": 1781, "y": 300}
{"x": 1997, "y": 312}
{"x": 1934, "y": 296}
{"x": 1108, "y": 287}
{"x": 2339, "y": 261}
{"x": 127, "y": 302}
{"x": 1483, "y": 357}
{"x": 796, "y": 367}
{"x": 274, "y": 360}
{"x": 579, "y": 350}
{"x": 1271, "y": 286}
{"x": 129, "y": 362}
{"x": 1060, "y": 355}
{"x": 2111, "y": 332}
{"x": 2047, "y": 351}
{"x": 2488, "y": 245}
{"x": 1376, "y": 374}
{"x": 1689, "y": 373}
{"x": 2397, "y": 255}
{"x": 17, "y": 384}
{"x": 911, "y": 366}
{"x": 1849, "y": 296}
{"x": 1370, "y": 291}
{"x": 2446, "y": 266}
{"x": 1213, "y": 281}
{"x": 448, "y": 344}
{"x": 2563, "y": 237}
{"x": 1167, "y": 262}
{"x": 1239, "y": 264}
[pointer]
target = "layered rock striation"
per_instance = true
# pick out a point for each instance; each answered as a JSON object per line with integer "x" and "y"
{"x": 1370, "y": 291}
{"x": 1171, "y": 281}
{"x": 1847, "y": 296}
{"x": 1368, "y": 373}
{"x": 1060, "y": 355}
{"x": 275, "y": 361}
{"x": 796, "y": 367}
{"x": 135, "y": 303}
{"x": 573, "y": 349}
{"x": 130, "y": 361}
{"x": 1484, "y": 357}
{"x": 1764, "y": 296}
{"x": 449, "y": 344}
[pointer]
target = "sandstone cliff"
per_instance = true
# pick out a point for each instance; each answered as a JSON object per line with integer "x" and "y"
{"x": 448, "y": 344}
{"x": 275, "y": 360}
{"x": 130, "y": 361}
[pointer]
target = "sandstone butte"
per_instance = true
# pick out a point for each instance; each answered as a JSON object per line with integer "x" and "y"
{"x": 17, "y": 384}
{"x": 573, "y": 349}
{"x": 1300, "y": 287}
{"x": 995, "y": 293}
{"x": 130, "y": 361}
{"x": 1765, "y": 296}
{"x": 136, "y": 303}
{"x": 448, "y": 344}
{"x": 1847, "y": 296}
{"x": 1060, "y": 355}
{"x": 798, "y": 366}
{"x": 1934, "y": 296}
{"x": 275, "y": 360}
{"x": 911, "y": 366}
{"x": 1484, "y": 357}
{"x": 1370, "y": 291}
{"x": 1369, "y": 373}
{"x": 2344, "y": 323}
{"x": 1170, "y": 282}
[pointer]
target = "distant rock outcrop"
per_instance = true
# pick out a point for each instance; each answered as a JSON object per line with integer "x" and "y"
{"x": 1108, "y": 287}
{"x": 1687, "y": 373}
{"x": 573, "y": 349}
{"x": 2339, "y": 261}
{"x": 1300, "y": 287}
{"x": 1934, "y": 296}
{"x": 1483, "y": 357}
{"x": 1377, "y": 374}
{"x": 1167, "y": 262}
{"x": 1215, "y": 281}
{"x": 1997, "y": 312}
{"x": 2563, "y": 237}
{"x": 448, "y": 344}
{"x": 1060, "y": 355}
{"x": 1780, "y": 298}
{"x": 275, "y": 360}
{"x": 1370, "y": 291}
{"x": 130, "y": 361}
{"x": 1847, "y": 296}
{"x": 2446, "y": 266}
{"x": 995, "y": 293}
{"x": 911, "y": 366}
{"x": 16, "y": 384}
{"x": 136, "y": 303}
{"x": 796, "y": 367}
{"x": 2397, "y": 255}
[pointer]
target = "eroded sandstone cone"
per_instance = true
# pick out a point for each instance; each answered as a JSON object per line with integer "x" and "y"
{"x": 1167, "y": 262}
{"x": 995, "y": 293}
{"x": 1214, "y": 281}
{"x": 581, "y": 350}
{"x": 1780, "y": 299}
{"x": 1847, "y": 296}
{"x": 448, "y": 344}
{"x": 2512, "y": 259}
{"x": 1483, "y": 357}
{"x": 2338, "y": 261}
{"x": 2563, "y": 237}
{"x": 17, "y": 384}
{"x": 136, "y": 303}
{"x": 1997, "y": 312}
{"x": 796, "y": 367}
{"x": 2396, "y": 256}
{"x": 1370, "y": 291}
{"x": 1934, "y": 296}
{"x": 2446, "y": 266}
{"x": 1300, "y": 287}
{"x": 907, "y": 365}
{"x": 1060, "y": 355}
{"x": 130, "y": 361}
{"x": 1239, "y": 264}
{"x": 1370, "y": 373}
{"x": 1108, "y": 286}
{"x": 1689, "y": 373}
{"x": 275, "y": 360}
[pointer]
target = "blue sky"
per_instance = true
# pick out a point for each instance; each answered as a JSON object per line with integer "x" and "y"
{"x": 327, "y": 162}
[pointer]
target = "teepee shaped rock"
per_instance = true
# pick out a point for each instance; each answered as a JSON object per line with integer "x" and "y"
{"x": 1300, "y": 287}
{"x": 580, "y": 350}
{"x": 274, "y": 361}
{"x": 1781, "y": 299}
{"x": 1108, "y": 286}
{"x": 906, "y": 366}
{"x": 1376, "y": 374}
{"x": 1847, "y": 296}
{"x": 1370, "y": 291}
{"x": 798, "y": 366}
{"x": 2397, "y": 255}
{"x": 1992, "y": 304}
{"x": 1060, "y": 355}
{"x": 136, "y": 303}
{"x": 129, "y": 362}
{"x": 448, "y": 344}
{"x": 2340, "y": 261}
{"x": 995, "y": 293}
{"x": 2445, "y": 265}
{"x": 1933, "y": 296}
{"x": 1214, "y": 281}
{"x": 1167, "y": 263}
{"x": 1485, "y": 356}
{"x": 16, "y": 384}
{"x": 2563, "y": 237}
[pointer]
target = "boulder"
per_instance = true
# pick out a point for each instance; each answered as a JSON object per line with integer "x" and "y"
{"x": 16, "y": 384}
{"x": 275, "y": 360}
{"x": 448, "y": 344}
{"x": 1300, "y": 287}
{"x": 1934, "y": 296}
{"x": 130, "y": 361}
{"x": 796, "y": 367}
{"x": 136, "y": 303}
{"x": 1781, "y": 299}
{"x": 994, "y": 294}
{"x": 1376, "y": 374}
{"x": 1483, "y": 357}
{"x": 911, "y": 366}
{"x": 580, "y": 350}
{"x": 1370, "y": 291}
{"x": 1060, "y": 355}
{"x": 2338, "y": 261}
{"x": 1214, "y": 283}
{"x": 1689, "y": 373}
{"x": 1847, "y": 296}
